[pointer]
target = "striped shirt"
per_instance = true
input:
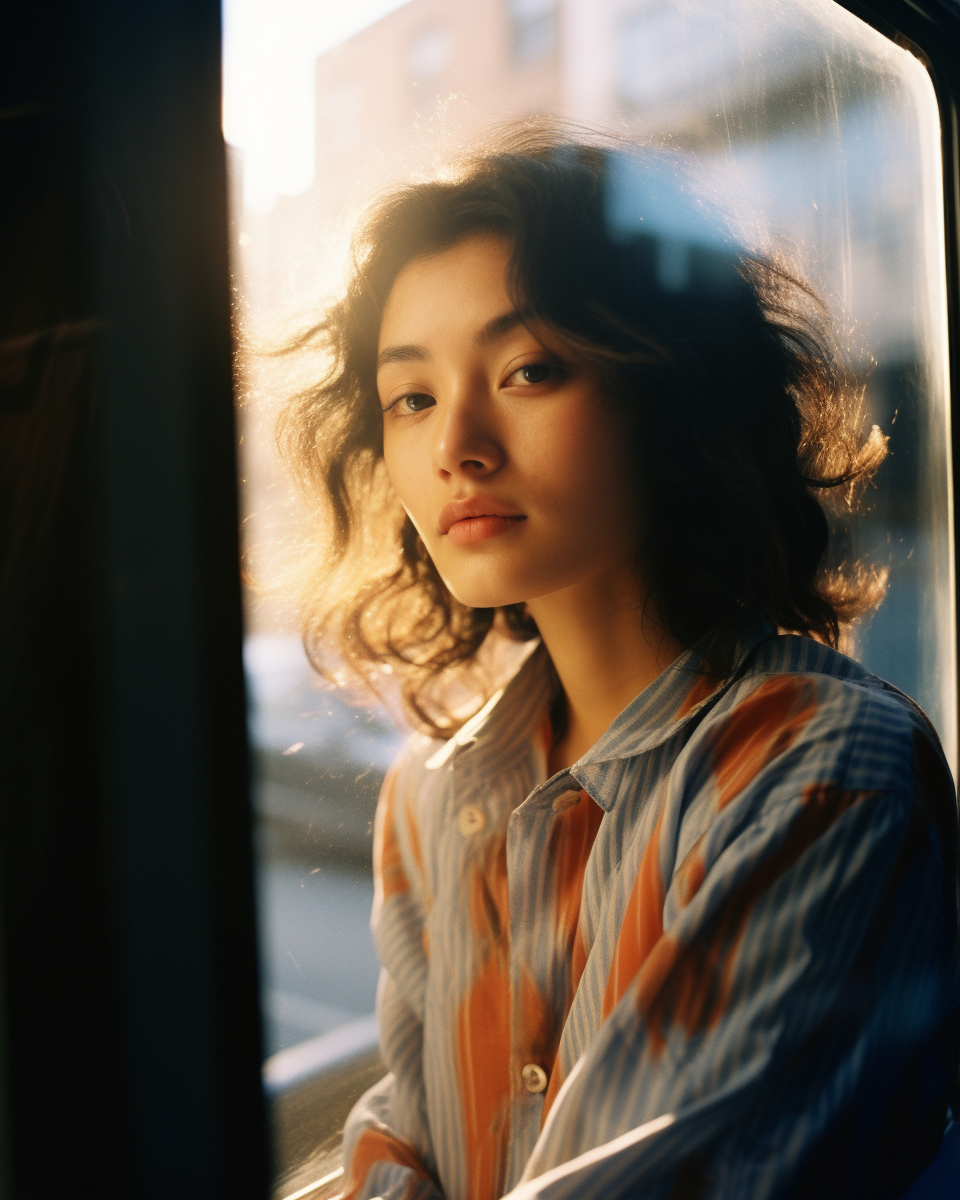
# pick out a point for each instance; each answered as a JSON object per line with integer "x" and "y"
{"x": 714, "y": 957}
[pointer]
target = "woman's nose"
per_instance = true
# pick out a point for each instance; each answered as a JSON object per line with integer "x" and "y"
{"x": 467, "y": 445}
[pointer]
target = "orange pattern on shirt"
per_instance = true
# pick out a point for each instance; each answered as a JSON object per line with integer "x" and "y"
{"x": 387, "y": 861}
{"x": 375, "y": 1146}
{"x": 691, "y": 873}
{"x": 483, "y": 1027}
{"x": 689, "y": 985}
{"x": 760, "y": 728}
{"x": 703, "y": 686}
{"x": 571, "y": 841}
{"x": 642, "y": 924}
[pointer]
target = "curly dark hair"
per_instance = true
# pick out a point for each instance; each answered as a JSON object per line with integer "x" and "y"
{"x": 745, "y": 417}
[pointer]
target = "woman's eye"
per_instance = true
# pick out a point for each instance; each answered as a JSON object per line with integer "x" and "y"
{"x": 414, "y": 402}
{"x": 534, "y": 373}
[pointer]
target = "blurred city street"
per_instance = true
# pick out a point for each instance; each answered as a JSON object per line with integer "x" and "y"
{"x": 319, "y": 763}
{"x": 318, "y": 962}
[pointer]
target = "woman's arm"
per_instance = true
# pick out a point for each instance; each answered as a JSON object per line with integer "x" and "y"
{"x": 386, "y": 1140}
{"x": 379, "y": 1160}
{"x": 793, "y": 1026}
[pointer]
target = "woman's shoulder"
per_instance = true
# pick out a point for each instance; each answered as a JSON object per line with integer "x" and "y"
{"x": 412, "y": 768}
{"x": 413, "y": 787}
{"x": 403, "y": 834}
{"x": 815, "y": 711}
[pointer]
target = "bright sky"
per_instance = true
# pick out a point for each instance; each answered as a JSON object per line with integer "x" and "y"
{"x": 269, "y": 48}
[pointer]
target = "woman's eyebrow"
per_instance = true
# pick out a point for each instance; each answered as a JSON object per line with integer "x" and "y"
{"x": 495, "y": 328}
{"x": 498, "y": 327}
{"x": 396, "y": 354}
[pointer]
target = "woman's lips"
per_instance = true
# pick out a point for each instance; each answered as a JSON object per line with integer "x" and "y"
{"x": 478, "y": 529}
{"x": 476, "y": 519}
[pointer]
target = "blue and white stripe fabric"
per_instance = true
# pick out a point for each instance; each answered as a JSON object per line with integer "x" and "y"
{"x": 715, "y": 958}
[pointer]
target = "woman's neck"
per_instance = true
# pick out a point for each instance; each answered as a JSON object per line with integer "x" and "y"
{"x": 603, "y": 654}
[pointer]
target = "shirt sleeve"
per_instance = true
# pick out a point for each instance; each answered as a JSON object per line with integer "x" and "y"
{"x": 386, "y": 1142}
{"x": 792, "y": 1028}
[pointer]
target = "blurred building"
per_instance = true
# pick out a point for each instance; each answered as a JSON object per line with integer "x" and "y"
{"x": 432, "y": 75}
{"x": 810, "y": 129}
{"x": 402, "y": 93}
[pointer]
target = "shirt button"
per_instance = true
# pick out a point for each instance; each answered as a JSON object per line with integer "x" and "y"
{"x": 470, "y": 820}
{"x": 566, "y": 800}
{"x": 534, "y": 1077}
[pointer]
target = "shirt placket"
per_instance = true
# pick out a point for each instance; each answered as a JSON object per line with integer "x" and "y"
{"x": 531, "y": 944}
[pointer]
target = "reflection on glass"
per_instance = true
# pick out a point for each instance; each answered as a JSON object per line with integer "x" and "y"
{"x": 810, "y": 129}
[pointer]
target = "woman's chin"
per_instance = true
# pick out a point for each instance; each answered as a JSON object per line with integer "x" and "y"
{"x": 485, "y": 593}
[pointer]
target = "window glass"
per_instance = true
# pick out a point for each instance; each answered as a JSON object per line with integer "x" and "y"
{"x": 812, "y": 130}
{"x": 533, "y": 29}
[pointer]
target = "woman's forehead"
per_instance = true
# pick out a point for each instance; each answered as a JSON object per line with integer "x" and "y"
{"x": 458, "y": 288}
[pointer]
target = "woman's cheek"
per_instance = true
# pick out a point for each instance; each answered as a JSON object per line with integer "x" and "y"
{"x": 568, "y": 459}
{"x": 400, "y": 475}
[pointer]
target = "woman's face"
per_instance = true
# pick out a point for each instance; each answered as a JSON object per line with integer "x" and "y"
{"x": 516, "y": 469}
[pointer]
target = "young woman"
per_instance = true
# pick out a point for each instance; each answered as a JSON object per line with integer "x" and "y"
{"x": 674, "y": 913}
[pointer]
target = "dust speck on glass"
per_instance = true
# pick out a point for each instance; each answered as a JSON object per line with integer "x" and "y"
{"x": 811, "y": 129}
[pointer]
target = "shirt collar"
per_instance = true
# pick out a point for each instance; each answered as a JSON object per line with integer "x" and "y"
{"x": 514, "y": 714}
{"x": 675, "y": 697}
